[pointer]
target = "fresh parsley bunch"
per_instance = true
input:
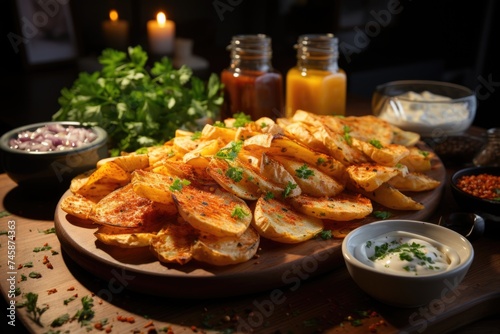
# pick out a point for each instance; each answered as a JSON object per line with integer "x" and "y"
{"x": 138, "y": 106}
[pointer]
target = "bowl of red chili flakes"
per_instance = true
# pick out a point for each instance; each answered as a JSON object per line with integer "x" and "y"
{"x": 477, "y": 189}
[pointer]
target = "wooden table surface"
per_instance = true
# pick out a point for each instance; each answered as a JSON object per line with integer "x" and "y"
{"x": 328, "y": 303}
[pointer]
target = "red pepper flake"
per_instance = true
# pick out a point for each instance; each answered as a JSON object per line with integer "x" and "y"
{"x": 149, "y": 324}
{"x": 71, "y": 288}
{"x": 194, "y": 329}
{"x": 50, "y": 266}
{"x": 484, "y": 186}
{"x": 108, "y": 329}
{"x": 98, "y": 325}
{"x": 130, "y": 320}
{"x": 51, "y": 291}
{"x": 45, "y": 259}
{"x": 20, "y": 266}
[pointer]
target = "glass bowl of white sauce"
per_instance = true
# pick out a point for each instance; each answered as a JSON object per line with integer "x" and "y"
{"x": 429, "y": 108}
{"x": 407, "y": 263}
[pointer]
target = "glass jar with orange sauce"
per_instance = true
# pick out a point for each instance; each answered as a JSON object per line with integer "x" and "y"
{"x": 316, "y": 84}
{"x": 251, "y": 84}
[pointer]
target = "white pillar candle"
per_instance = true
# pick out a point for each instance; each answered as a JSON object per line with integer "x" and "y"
{"x": 161, "y": 34}
{"x": 115, "y": 31}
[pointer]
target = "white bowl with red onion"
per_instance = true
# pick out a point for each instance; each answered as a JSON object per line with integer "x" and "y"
{"x": 50, "y": 154}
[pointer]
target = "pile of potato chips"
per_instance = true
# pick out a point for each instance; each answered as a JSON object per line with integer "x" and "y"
{"x": 210, "y": 196}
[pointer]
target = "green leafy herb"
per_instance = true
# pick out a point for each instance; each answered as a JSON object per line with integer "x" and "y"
{"x": 139, "y": 107}
{"x": 424, "y": 153}
{"x": 376, "y": 143}
{"x": 304, "y": 172}
{"x": 381, "y": 214}
{"x": 230, "y": 152}
{"x": 86, "y": 313}
{"x": 241, "y": 119}
{"x": 49, "y": 230}
{"x": 178, "y": 184}
{"x": 59, "y": 321}
{"x": 239, "y": 212}
{"x": 288, "y": 189}
{"x": 32, "y": 308}
{"x": 235, "y": 173}
{"x": 347, "y": 135}
{"x": 326, "y": 234}
{"x": 320, "y": 161}
{"x": 269, "y": 195}
{"x": 196, "y": 135}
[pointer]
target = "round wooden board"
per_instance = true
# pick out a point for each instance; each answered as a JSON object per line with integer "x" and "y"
{"x": 277, "y": 264}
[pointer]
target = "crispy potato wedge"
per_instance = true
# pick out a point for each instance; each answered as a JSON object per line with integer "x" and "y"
{"x": 199, "y": 157}
{"x": 215, "y": 212}
{"x": 405, "y": 138}
{"x": 128, "y": 162}
{"x": 311, "y": 180}
{"x": 370, "y": 176}
{"x": 368, "y": 127}
{"x": 342, "y": 207}
{"x": 284, "y": 146}
{"x": 387, "y": 155}
{"x": 303, "y": 133}
{"x": 215, "y": 132}
{"x": 80, "y": 180}
{"x": 104, "y": 180}
{"x": 184, "y": 171}
{"x": 418, "y": 160}
{"x": 77, "y": 205}
{"x": 153, "y": 186}
{"x": 125, "y": 240}
{"x": 340, "y": 148}
{"x": 174, "y": 243}
{"x": 224, "y": 251}
{"x": 230, "y": 176}
{"x": 125, "y": 208}
{"x": 413, "y": 182}
{"x": 391, "y": 198}
{"x": 278, "y": 221}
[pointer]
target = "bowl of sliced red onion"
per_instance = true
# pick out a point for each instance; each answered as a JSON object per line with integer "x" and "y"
{"x": 51, "y": 154}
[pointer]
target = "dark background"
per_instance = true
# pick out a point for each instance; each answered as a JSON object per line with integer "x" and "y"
{"x": 438, "y": 40}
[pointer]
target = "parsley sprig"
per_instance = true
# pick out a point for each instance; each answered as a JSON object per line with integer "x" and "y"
{"x": 139, "y": 105}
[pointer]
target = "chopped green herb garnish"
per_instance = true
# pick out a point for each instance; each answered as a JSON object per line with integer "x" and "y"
{"x": 304, "y": 172}
{"x": 376, "y": 143}
{"x": 347, "y": 135}
{"x": 239, "y": 212}
{"x": 288, "y": 189}
{"x": 59, "y": 321}
{"x": 196, "y": 135}
{"x": 381, "y": 214}
{"x": 231, "y": 152}
{"x": 326, "y": 234}
{"x": 178, "y": 184}
{"x": 235, "y": 173}
{"x": 241, "y": 119}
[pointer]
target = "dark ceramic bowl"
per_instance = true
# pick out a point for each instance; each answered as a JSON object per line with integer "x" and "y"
{"x": 471, "y": 203}
{"x": 51, "y": 170}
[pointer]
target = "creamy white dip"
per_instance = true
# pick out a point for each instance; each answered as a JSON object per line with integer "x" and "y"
{"x": 418, "y": 112}
{"x": 406, "y": 253}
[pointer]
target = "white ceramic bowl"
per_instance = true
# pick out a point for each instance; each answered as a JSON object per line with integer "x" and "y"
{"x": 50, "y": 170}
{"x": 403, "y": 289}
{"x": 430, "y": 108}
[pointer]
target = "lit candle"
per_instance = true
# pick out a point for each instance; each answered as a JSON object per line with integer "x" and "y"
{"x": 161, "y": 33}
{"x": 115, "y": 31}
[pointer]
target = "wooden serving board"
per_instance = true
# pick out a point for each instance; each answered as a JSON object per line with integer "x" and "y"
{"x": 277, "y": 264}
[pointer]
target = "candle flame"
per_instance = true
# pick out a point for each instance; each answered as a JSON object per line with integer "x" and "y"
{"x": 161, "y": 18}
{"x": 113, "y": 15}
